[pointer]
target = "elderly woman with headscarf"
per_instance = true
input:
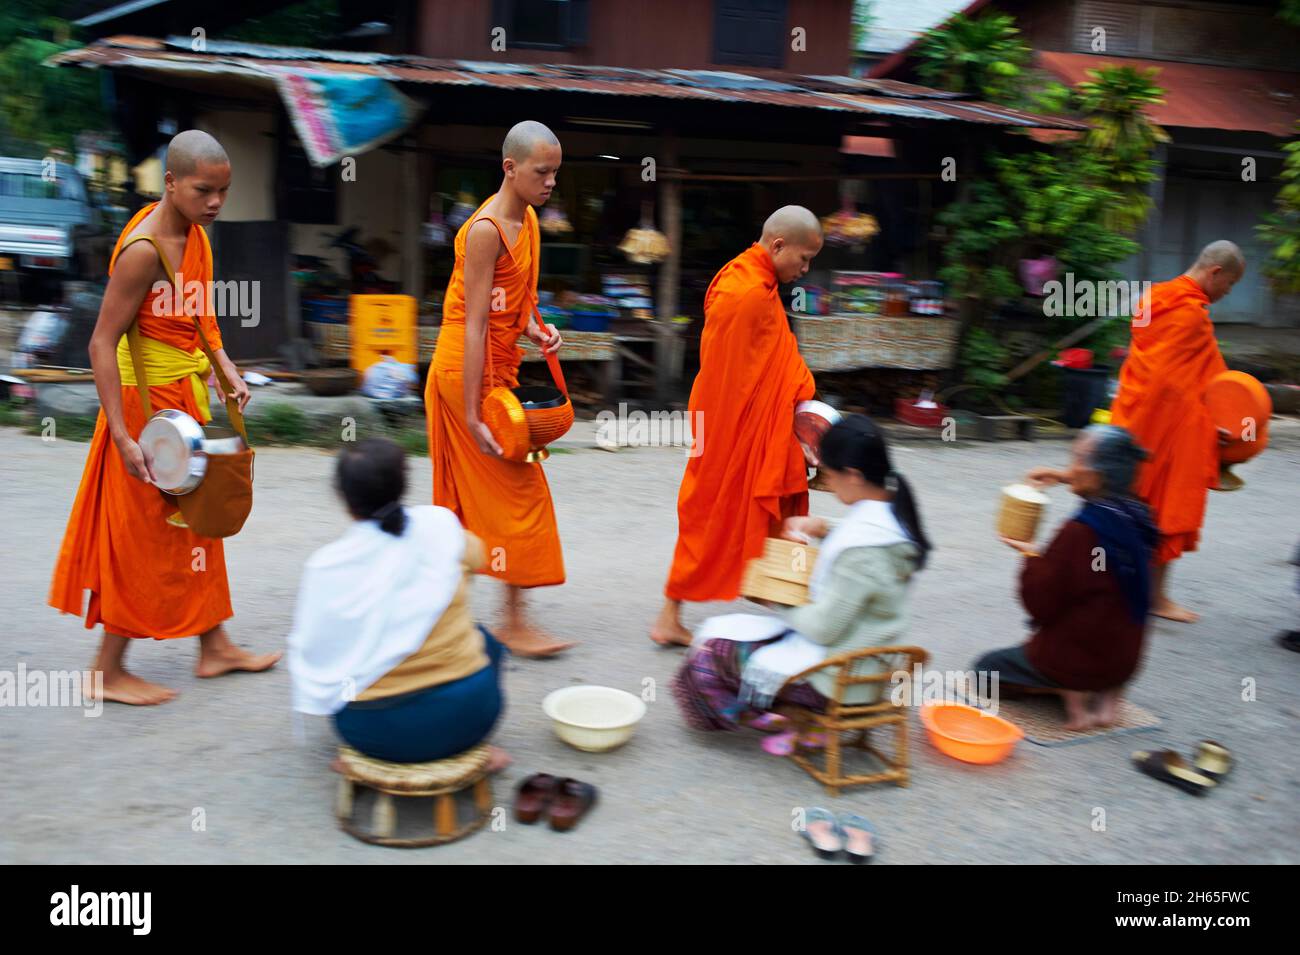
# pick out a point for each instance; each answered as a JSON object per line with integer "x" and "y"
{"x": 1089, "y": 593}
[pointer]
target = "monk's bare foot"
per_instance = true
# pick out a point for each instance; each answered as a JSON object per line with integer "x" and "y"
{"x": 230, "y": 658}
{"x": 1175, "y": 612}
{"x": 668, "y": 630}
{"x": 525, "y": 640}
{"x": 498, "y": 759}
{"x": 123, "y": 687}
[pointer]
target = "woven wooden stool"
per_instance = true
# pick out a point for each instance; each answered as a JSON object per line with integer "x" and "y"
{"x": 441, "y": 780}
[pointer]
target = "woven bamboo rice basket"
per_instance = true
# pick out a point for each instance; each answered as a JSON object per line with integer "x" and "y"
{"x": 780, "y": 574}
{"x": 1022, "y": 509}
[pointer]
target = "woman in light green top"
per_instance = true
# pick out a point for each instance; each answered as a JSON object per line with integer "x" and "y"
{"x": 739, "y": 663}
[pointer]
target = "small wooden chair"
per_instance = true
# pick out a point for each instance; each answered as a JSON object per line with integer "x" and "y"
{"x": 856, "y": 668}
{"x": 441, "y": 779}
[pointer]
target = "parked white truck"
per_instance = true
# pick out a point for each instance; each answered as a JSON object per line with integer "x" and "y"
{"x": 50, "y": 230}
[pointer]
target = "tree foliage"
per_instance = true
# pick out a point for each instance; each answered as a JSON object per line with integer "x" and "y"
{"x": 1280, "y": 229}
{"x": 980, "y": 56}
{"x": 43, "y": 107}
{"x": 1113, "y": 101}
{"x": 310, "y": 23}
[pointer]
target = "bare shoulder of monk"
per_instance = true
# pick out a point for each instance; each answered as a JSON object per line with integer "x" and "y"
{"x": 134, "y": 273}
{"x": 483, "y": 242}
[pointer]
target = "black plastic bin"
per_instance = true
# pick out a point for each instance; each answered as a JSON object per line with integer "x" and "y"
{"x": 1085, "y": 390}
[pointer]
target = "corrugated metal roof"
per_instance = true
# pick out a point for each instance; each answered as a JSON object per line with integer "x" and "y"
{"x": 118, "y": 10}
{"x": 838, "y": 93}
{"x": 1201, "y": 97}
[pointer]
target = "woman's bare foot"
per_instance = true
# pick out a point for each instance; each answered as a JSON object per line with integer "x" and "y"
{"x": 217, "y": 656}
{"x": 498, "y": 759}
{"x": 1107, "y": 711}
{"x": 668, "y": 630}
{"x": 1077, "y": 716}
{"x": 525, "y": 640}
{"x": 1175, "y": 612}
{"x": 120, "y": 686}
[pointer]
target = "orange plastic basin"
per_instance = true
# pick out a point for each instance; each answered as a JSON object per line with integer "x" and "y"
{"x": 965, "y": 733}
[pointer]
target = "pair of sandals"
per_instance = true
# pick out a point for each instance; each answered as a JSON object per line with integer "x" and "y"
{"x": 1212, "y": 762}
{"x": 563, "y": 801}
{"x": 848, "y": 833}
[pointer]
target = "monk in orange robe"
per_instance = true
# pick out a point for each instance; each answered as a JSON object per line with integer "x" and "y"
{"x": 1173, "y": 357}
{"x": 748, "y": 472}
{"x": 491, "y": 300}
{"x": 146, "y": 577}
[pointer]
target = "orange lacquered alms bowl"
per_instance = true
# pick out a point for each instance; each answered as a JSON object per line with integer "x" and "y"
{"x": 525, "y": 420}
{"x": 1239, "y": 404}
{"x": 548, "y": 412}
{"x": 965, "y": 733}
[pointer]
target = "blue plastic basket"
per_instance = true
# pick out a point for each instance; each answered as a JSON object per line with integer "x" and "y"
{"x": 589, "y": 321}
{"x": 332, "y": 310}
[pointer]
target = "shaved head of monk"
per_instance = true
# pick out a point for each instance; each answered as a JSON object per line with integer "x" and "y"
{"x": 793, "y": 237}
{"x": 1218, "y": 268}
{"x": 530, "y": 158}
{"x": 198, "y": 176}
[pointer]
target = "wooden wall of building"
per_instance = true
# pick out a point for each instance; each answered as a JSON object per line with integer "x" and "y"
{"x": 665, "y": 34}
{"x": 1246, "y": 35}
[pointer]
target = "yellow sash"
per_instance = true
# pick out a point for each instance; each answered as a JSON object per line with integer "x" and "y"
{"x": 165, "y": 363}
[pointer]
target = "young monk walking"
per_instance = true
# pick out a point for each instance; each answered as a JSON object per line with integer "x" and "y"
{"x": 1173, "y": 357}
{"x": 146, "y": 577}
{"x": 491, "y": 300}
{"x": 748, "y": 472}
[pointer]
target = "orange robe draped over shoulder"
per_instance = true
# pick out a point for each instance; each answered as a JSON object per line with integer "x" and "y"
{"x": 1173, "y": 357}
{"x": 747, "y": 470}
{"x": 146, "y": 578}
{"x": 505, "y": 503}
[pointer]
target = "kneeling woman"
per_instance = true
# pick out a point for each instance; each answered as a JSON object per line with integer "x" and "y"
{"x": 739, "y": 664}
{"x": 1089, "y": 593}
{"x": 382, "y": 637}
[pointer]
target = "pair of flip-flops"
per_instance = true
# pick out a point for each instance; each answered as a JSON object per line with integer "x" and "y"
{"x": 563, "y": 801}
{"x": 1212, "y": 762}
{"x": 848, "y": 833}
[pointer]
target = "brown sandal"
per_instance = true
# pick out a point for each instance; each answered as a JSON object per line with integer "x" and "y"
{"x": 534, "y": 796}
{"x": 572, "y": 800}
{"x": 1168, "y": 767}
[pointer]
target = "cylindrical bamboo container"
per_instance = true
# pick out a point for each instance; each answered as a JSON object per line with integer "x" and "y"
{"x": 1022, "y": 508}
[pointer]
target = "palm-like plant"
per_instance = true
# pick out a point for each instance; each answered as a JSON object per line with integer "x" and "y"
{"x": 1113, "y": 101}
{"x": 982, "y": 57}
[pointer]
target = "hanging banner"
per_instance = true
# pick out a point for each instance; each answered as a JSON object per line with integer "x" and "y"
{"x": 337, "y": 115}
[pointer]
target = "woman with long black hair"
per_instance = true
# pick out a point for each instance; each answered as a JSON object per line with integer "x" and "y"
{"x": 739, "y": 663}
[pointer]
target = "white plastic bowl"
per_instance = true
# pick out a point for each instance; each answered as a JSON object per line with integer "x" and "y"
{"x": 594, "y": 719}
